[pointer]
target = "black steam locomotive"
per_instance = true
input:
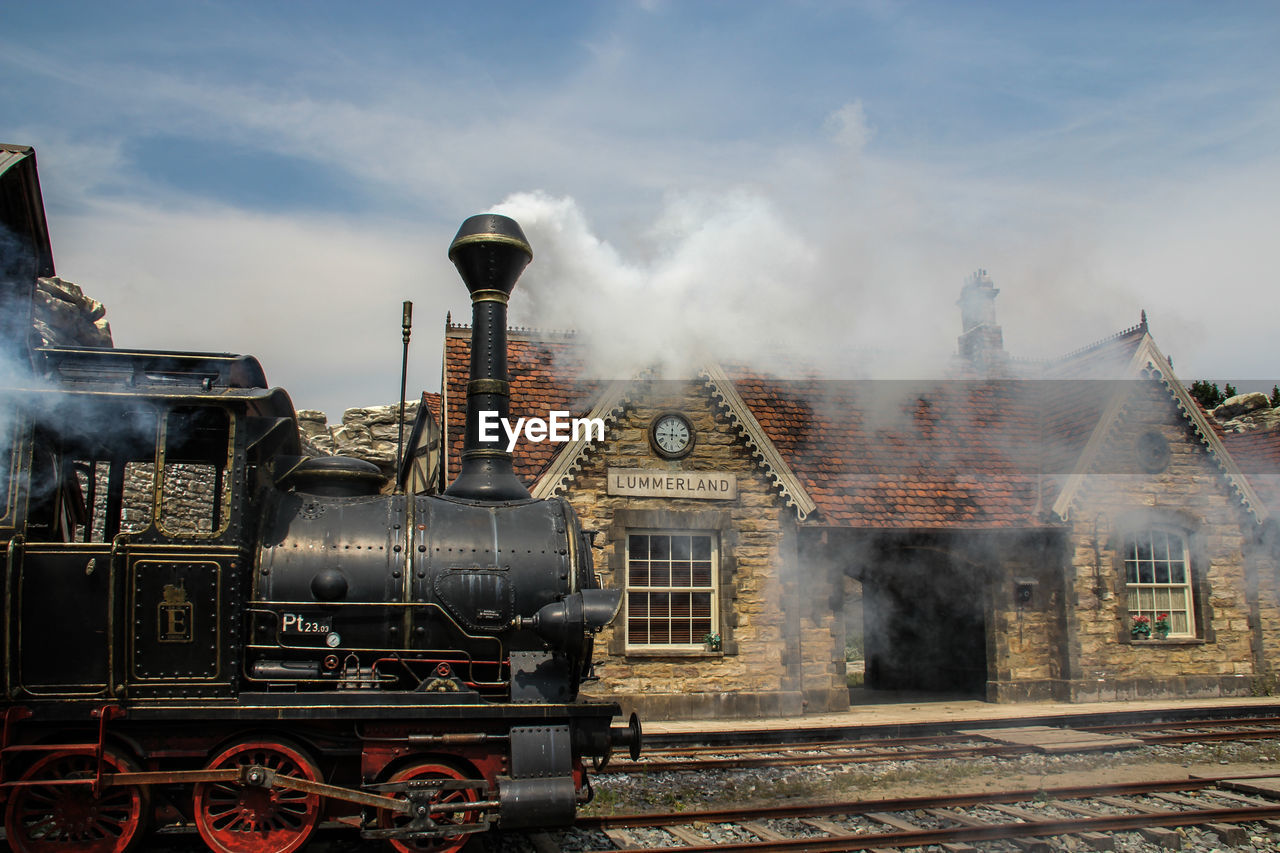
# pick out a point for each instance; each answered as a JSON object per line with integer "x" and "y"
{"x": 203, "y": 625}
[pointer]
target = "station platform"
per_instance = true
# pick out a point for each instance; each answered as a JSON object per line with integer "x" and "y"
{"x": 897, "y": 717}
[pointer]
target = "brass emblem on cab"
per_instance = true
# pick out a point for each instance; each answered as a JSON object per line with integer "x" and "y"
{"x": 174, "y": 624}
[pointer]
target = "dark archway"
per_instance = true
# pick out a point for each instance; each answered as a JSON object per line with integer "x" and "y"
{"x": 924, "y": 617}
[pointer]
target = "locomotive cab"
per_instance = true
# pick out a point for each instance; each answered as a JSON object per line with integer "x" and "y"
{"x": 125, "y": 521}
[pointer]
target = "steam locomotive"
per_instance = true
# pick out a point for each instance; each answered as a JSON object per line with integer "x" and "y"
{"x": 203, "y": 625}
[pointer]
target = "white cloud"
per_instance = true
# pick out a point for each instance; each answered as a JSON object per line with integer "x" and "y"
{"x": 848, "y": 126}
{"x": 316, "y": 299}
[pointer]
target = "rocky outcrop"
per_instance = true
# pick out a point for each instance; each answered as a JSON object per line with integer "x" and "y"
{"x": 64, "y": 316}
{"x": 368, "y": 433}
{"x": 1247, "y": 412}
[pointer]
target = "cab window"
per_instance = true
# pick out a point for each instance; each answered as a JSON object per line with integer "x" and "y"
{"x": 92, "y": 473}
{"x": 196, "y": 457}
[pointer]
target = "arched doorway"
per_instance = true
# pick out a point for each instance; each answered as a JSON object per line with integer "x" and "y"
{"x": 924, "y": 623}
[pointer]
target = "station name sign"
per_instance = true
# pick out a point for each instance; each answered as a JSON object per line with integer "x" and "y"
{"x": 659, "y": 483}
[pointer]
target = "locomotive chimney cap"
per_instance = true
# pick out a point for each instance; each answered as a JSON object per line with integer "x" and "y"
{"x": 490, "y": 251}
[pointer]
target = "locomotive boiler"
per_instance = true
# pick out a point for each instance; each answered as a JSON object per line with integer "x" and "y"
{"x": 204, "y": 626}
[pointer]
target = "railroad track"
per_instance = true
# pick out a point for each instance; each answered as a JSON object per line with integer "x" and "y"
{"x": 1216, "y": 805}
{"x": 878, "y": 750}
{"x": 796, "y": 827}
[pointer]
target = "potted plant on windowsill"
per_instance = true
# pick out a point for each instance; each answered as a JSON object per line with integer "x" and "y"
{"x": 1140, "y": 628}
{"x": 711, "y": 642}
{"x": 1161, "y": 626}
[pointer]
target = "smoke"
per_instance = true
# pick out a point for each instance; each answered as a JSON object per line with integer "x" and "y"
{"x": 12, "y": 326}
{"x": 828, "y": 255}
{"x": 719, "y": 283}
{"x": 63, "y": 423}
{"x": 812, "y": 260}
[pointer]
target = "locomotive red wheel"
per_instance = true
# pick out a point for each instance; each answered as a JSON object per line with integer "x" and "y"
{"x": 446, "y": 844}
{"x": 235, "y": 818}
{"x": 57, "y": 818}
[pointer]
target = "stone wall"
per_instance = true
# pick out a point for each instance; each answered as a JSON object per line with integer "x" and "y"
{"x": 1264, "y": 577}
{"x": 761, "y": 669}
{"x": 1192, "y": 495}
{"x": 1025, "y": 629}
{"x": 822, "y": 636}
{"x": 368, "y": 433}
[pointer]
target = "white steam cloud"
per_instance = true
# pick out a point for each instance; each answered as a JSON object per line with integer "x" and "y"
{"x": 721, "y": 283}
{"x": 830, "y": 259}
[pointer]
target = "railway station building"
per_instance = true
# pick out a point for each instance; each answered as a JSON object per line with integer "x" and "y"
{"x": 1075, "y": 530}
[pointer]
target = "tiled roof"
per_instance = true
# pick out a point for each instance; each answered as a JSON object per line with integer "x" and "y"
{"x": 1074, "y": 403}
{"x": 1258, "y": 455}
{"x": 432, "y": 401}
{"x": 950, "y": 454}
{"x": 1073, "y": 406}
{"x": 957, "y": 454}
{"x": 1104, "y": 359}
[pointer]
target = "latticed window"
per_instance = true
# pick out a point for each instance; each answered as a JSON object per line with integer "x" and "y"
{"x": 1158, "y": 575}
{"x": 671, "y": 588}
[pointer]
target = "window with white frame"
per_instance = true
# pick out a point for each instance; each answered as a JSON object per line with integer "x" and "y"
{"x": 671, "y": 588}
{"x": 1158, "y": 578}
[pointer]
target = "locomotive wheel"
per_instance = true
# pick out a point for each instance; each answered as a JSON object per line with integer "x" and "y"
{"x": 235, "y": 818}
{"x": 446, "y": 844}
{"x": 64, "y": 818}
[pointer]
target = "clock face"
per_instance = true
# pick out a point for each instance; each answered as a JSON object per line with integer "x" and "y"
{"x": 672, "y": 435}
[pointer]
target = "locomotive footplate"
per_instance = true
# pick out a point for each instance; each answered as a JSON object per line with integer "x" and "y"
{"x": 380, "y": 706}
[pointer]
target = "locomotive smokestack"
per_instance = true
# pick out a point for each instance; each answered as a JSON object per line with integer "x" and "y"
{"x": 490, "y": 252}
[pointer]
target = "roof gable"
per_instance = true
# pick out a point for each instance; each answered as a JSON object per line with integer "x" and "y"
{"x": 547, "y": 374}
{"x": 617, "y": 395}
{"x": 25, "y": 252}
{"x": 1147, "y": 362}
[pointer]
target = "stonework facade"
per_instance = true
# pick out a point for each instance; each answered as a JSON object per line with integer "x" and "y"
{"x": 1027, "y": 625}
{"x": 767, "y": 663}
{"x": 1073, "y": 637}
{"x": 1189, "y": 497}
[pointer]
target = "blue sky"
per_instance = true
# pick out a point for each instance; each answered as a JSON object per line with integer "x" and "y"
{"x": 696, "y": 177}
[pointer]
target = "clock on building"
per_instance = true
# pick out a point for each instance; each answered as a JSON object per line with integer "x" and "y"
{"x": 671, "y": 435}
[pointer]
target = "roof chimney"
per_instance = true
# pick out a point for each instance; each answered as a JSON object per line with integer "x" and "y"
{"x": 981, "y": 341}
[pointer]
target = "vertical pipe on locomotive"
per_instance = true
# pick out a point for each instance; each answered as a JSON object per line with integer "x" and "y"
{"x": 490, "y": 252}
